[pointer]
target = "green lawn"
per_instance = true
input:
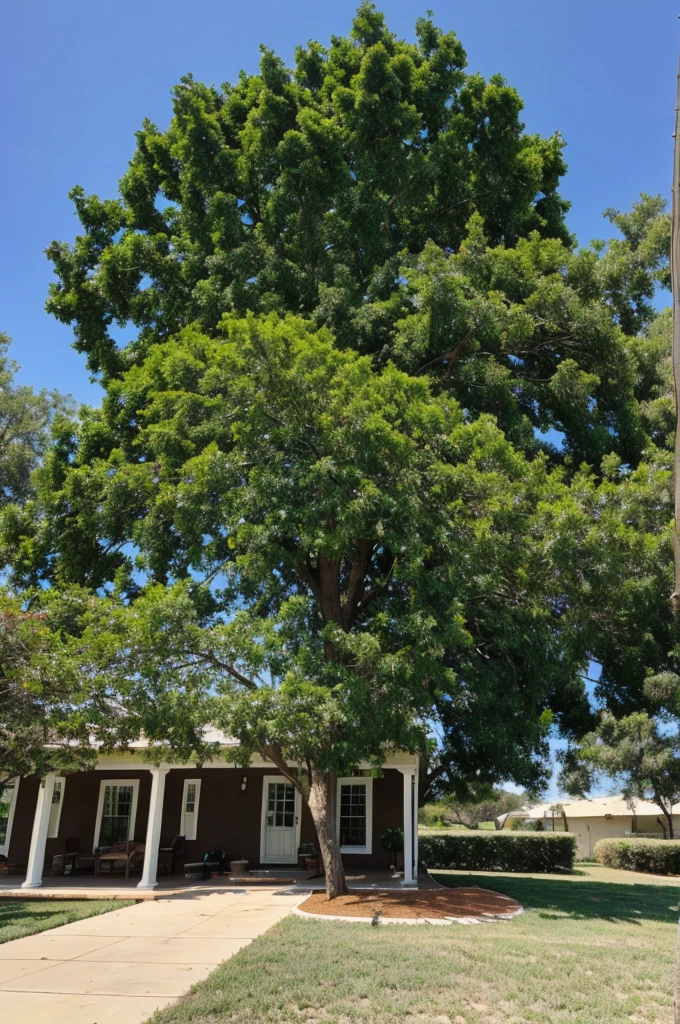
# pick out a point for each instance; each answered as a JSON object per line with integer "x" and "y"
{"x": 442, "y": 830}
{"x": 27, "y": 917}
{"x": 586, "y": 951}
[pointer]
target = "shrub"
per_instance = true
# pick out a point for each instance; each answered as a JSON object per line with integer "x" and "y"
{"x": 499, "y": 851}
{"x": 434, "y": 816}
{"x": 655, "y": 856}
{"x": 525, "y": 825}
{"x": 393, "y": 840}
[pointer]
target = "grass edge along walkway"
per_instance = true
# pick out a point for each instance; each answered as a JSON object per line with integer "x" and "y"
{"x": 19, "y": 918}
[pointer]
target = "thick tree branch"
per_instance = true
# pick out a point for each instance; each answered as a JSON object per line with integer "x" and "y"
{"x": 273, "y": 753}
{"x": 355, "y": 586}
{"x": 212, "y": 659}
{"x": 452, "y": 355}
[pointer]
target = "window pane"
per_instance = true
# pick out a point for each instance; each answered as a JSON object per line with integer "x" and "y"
{"x": 115, "y": 826}
{"x": 282, "y": 803}
{"x": 353, "y": 814}
{"x": 6, "y": 795}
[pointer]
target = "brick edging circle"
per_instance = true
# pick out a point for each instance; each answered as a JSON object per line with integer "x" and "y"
{"x": 478, "y": 919}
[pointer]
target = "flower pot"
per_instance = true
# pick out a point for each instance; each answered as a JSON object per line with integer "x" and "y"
{"x": 238, "y": 867}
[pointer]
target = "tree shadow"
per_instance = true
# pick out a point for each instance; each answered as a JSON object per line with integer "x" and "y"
{"x": 15, "y": 912}
{"x": 608, "y": 901}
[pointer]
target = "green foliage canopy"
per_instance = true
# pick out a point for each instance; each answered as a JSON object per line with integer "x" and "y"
{"x": 298, "y": 524}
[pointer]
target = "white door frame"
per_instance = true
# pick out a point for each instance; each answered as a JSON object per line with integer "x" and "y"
{"x": 263, "y": 820}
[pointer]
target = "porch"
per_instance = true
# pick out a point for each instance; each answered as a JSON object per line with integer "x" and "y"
{"x": 86, "y": 887}
{"x": 171, "y": 816}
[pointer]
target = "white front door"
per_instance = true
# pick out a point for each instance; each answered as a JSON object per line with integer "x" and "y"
{"x": 280, "y": 821}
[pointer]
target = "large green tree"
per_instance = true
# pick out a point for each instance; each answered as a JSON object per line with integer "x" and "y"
{"x": 322, "y": 550}
{"x": 415, "y": 561}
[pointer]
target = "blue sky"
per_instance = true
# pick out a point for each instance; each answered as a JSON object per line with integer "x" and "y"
{"x": 78, "y": 77}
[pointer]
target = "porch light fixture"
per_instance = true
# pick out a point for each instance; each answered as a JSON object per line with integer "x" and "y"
{"x": 244, "y": 783}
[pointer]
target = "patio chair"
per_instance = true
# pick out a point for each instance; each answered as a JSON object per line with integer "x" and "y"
{"x": 167, "y": 852}
{"x": 64, "y": 862}
{"x": 120, "y": 853}
{"x": 309, "y": 858}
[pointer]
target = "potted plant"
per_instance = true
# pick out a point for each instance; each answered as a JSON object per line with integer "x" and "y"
{"x": 238, "y": 867}
{"x": 393, "y": 841}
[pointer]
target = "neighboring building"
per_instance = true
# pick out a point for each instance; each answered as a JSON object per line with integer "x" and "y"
{"x": 251, "y": 813}
{"x": 607, "y": 817}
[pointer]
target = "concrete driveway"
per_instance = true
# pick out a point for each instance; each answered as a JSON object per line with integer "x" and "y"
{"x": 122, "y": 966}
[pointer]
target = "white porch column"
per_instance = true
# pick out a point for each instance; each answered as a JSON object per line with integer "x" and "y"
{"x": 153, "y": 830}
{"x": 415, "y": 824}
{"x": 36, "y": 856}
{"x": 410, "y": 840}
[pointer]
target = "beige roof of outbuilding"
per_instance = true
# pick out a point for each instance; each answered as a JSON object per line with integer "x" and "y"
{"x": 598, "y": 807}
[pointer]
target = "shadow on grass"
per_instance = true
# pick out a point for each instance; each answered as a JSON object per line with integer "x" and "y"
{"x": 553, "y": 897}
{"x": 13, "y": 911}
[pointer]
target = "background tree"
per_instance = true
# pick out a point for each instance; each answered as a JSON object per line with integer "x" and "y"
{"x": 635, "y": 753}
{"x": 485, "y": 804}
{"x": 37, "y": 689}
{"x": 25, "y": 419}
{"x": 48, "y": 712}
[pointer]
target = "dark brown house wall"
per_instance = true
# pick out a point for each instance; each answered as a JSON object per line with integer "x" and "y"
{"x": 24, "y": 811}
{"x": 388, "y": 812}
{"x": 229, "y": 819}
{"x": 78, "y": 813}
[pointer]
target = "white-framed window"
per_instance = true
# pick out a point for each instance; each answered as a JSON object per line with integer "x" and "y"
{"x": 8, "y": 801}
{"x": 116, "y": 811}
{"x": 55, "y": 807}
{"x": 355, "y": 815}
{"x": 191, "y": 794}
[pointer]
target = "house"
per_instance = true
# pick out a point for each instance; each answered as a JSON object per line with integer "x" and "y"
{"x": 251, "y": 813}
{"x": 607, "y": 817}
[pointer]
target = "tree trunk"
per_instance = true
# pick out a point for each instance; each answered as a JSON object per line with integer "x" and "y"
{"x": 322, "y": 801}
{"x": 675, "y": 286}
{"x": 676, "y": 979}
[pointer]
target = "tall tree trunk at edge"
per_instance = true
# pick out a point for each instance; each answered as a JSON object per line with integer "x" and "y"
{"x": 675, "y": 286}
{"x": 322, "y": 804}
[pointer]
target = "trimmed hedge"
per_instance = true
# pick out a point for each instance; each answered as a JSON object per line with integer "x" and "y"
{"x": 654, "y": 856}
{"x": 499, "y": 851}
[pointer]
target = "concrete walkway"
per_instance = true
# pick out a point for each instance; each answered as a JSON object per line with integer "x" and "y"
{"x": 121, "y": 966}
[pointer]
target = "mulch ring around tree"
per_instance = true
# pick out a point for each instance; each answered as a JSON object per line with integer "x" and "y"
{"x": 466, "y": 905}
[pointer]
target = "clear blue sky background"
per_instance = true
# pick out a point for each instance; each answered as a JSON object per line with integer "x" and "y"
{"x": 78, "y": 77}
